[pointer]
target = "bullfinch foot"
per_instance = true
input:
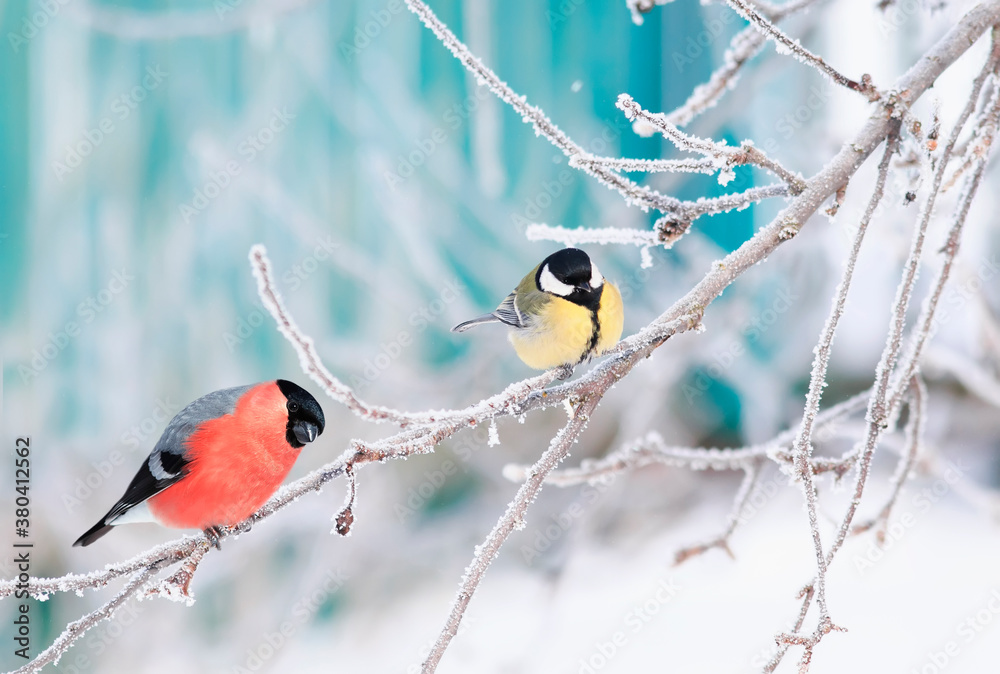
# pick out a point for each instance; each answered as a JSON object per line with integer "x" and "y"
{"x": 214, "y": 536}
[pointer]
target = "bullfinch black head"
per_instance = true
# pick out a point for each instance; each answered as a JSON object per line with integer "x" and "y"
{"x": 570, "y": 274}
{"x": 305, "y": 416}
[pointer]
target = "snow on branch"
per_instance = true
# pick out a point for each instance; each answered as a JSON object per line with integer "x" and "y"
{"x": 78, "y": 628}
{"x": 882, "y": 399}
{"x": 751, "y": 473}
{"x": 633, "y": 193}
{"x": 744, "y": 46}
{"x": 667, "y": 230}
{"x": 986, "y": 127}
{"x": 647, "y": 165}
{"x": 607, "y": 171}
{"x": 306, "y": 349}
{"x": 786, "y": 45}
{"x": 678, "y": 214}
{"x": 583, "y": 235}
{"x": 513, "y": 518}
{"x": 726, "y": 156}
{"x": 914, "y": 433}
{"x": 802, "y": 449}
{"x": 878, "y": 410}
{"x": 653, "y": 449}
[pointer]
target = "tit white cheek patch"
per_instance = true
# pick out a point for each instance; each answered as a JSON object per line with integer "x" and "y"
{"x": 596, "y": 280}
{"x": 550, "y": 284}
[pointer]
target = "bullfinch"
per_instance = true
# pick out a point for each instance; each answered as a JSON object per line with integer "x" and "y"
{"x": 561, "y": 313}
{"x": 219, "y": 460}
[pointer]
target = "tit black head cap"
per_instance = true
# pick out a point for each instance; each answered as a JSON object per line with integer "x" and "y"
{"x": 570, "y": 265}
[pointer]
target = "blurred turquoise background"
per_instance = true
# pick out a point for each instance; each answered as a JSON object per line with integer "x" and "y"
{"x": 342, "y": 136}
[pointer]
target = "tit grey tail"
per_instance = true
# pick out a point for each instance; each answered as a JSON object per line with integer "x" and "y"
{"x": 478, "y": 320}
{"x": 93, "y": 533}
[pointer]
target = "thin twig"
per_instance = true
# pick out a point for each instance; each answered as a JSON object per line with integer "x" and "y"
{"x": 667, "y": 230}
{"x": 632, "y": 165}
{"x": 633, "y": 193}
{"x": 928, "y": 312}
{"x": 802, "y": 449}
{"x": 597, "y": 235}
{"x": 653, "y": 450}
{"x": 914, "y": 433}
{"x": 751, "y": 473}
{"x": 78, "y": 628}
{"x": 749, "y": 12}
{"x": 743, "y": 46}
{"x": 306, "y": 349}
{"x": 727, "y": 156}
{"x": 512, "y": 519}
{"x": 878, "y": 410}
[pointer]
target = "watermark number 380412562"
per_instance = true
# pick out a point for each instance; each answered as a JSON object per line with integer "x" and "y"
{"x": 22, "y": 548}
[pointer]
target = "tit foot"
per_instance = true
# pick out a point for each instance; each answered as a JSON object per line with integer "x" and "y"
{"x": 564, "y": 372}
{"x": 214, "y": 534}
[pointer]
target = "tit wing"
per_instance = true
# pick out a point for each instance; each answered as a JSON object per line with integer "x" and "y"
{"x": 168, "y": 462}
{"x": 506, "y": 313}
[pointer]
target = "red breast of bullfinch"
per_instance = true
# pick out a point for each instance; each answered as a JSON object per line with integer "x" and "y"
{"x": 219, "y": 459}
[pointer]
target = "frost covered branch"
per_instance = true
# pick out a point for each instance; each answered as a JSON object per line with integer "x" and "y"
{"x": 513, "y": 518}
{"x": 668, "y": 228}
{"x": 583, "y": 235}
{"x": 78, "y": 628}
{"x": 607, "y": 170}
{"x": 744, "y": 46}
{"x": 786, "y": 44}
{"x": 878, "y": 410}
{"x": 725, "y": 156}
{"x": 914, "y": 432}
{"x": 802, "y": 449}
{"x": 986, "y": 128}
{"x": 647, "y": 165}
{"x": 306, "y": 349}
{"x": 653, "y": 449}
{"x": 751, "y": 473}
{"x": 882, "y": 398}
{"x": 633, "y": 193}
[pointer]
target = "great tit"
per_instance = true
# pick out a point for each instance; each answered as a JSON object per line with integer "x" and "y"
{"x": 562, "y": 313}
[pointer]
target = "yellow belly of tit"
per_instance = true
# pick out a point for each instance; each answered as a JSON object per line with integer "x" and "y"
{"x": 561, "y": 333}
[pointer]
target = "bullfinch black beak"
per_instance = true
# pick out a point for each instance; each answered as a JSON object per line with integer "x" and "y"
{"x": 305, "y": 431}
